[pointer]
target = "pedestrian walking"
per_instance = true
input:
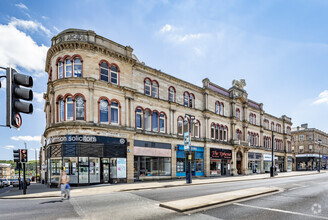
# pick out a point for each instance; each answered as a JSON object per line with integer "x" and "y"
{"x": 63, "y": 183}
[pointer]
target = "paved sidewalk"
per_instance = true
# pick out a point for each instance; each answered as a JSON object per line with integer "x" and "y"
{"x": 37, "y": 190}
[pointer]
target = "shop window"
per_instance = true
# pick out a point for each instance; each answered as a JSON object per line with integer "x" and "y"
{"x": 147, "y": 120}
{"x": 162, "y": 123}
{"x": 114, "y": 75}
{"x": 139, "y": 120}
{"x": 181, "y": 164}
{"x": 69, "y": 108}
{"x": 79, "y": 108}
{"x": 114, "y": 112}
{"x": 154, "y": 90}
{"x": 104, "y": 111}
{"x": 70, "y": 164}
{"x": 104, "y": 71}
{"x": 68, "y": 68}
{"x": 77, "y": 67}
{"x": 155, "y": 121}
{"x": 83, "y": 170}
{"x": 56, "y": 166}
{"x": 60, "y": 69}
{"x": 180, "y": 125}
{"x": 94, "y": 164}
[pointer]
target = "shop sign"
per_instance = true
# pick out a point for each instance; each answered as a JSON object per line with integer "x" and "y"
{"x": 307, "y": 155}
{"x": 121, "y": 167}
{"x": 73, "y": 138}
{"x": 221, "y": 154}
{"x": 268, "y": 157}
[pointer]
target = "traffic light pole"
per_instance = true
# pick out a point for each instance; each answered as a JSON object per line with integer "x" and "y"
{"x": 24, "y": 185}
{"x": 19, "y": 179}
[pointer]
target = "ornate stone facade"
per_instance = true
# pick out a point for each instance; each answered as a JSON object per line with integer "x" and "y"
{"x": 147, "y": 108}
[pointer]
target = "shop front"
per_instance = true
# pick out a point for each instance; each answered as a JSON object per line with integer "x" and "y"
{"x": 267, "y": 162}
{"x": 289, "y": 163}
{"x": 280, "y": 163}
{"x": 152, "y": 160}
{"x": 220, "y": 162}
{"x": 307, "y": 162}
{"x": 254, "y": 162}
{"x": 87, "y": 159}
{"x": 197, "y": 161}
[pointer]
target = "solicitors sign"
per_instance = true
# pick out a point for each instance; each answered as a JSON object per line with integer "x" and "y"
{"x": 220, "y": 154}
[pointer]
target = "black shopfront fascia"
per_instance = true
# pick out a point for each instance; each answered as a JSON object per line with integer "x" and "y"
{"x": 101, "y": 147}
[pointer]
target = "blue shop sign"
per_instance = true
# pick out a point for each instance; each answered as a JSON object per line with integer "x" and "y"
{"x": 86, "y": 139}
{"x": 193, "y": 148}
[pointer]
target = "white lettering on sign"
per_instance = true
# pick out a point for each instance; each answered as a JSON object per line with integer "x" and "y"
{"x": 71, "y": 37}
{"x": 72, "y": 138}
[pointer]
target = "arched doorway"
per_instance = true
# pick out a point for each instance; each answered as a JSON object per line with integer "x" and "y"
{"x": 239, "y": 162}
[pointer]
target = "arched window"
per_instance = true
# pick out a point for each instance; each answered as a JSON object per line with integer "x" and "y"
{"x": 191, "y": 101}
{"x": 162, "y": 123}
{"x": 225, "y": 133}
{"x": 68, "y": 67}
{"x": 221, "y": 109}
{"x": 69, "y": 108}
{"x": 272, "y": 126}
{"x": 139, "y": 118}
{"x": 186, "y": 125}
{"x": 217, "y": 107}
{"x": 114, "y": 113}
{"x": 238, "y": 113}
{"x": 103, "y": 111}
{"x": 217, "y": 135}
{"x": 180, "y": 125}
{"x": 147, "y": 120}
{"x": 147, "y": 87}
{"x": 197, "y": 129}
{"x": 251, "y": 118}
{"x": 155, "y": 121}
{"x": 171, "y": 94}
{"x": 154, "y": 89}
{"x": 104, "y": 71}
{"x": 79, "y": 108}
{"x": 61, "y": 110}
{"x": 60, "y": 69}
{"x": 186, "y": 99}
{"x": 114, "y": 75}
{"x": 238, "y": 134}
{"x": 77, "y": 67}
{"x": 212, "y": 131}
{"x": 221, "y": 133}
{"x": 254, "y": 119}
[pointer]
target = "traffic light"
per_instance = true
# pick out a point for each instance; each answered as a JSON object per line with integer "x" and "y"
{"x": 14, "y": 93}
{"x": 23, "y": 155}
{"x": 16, "y": 155}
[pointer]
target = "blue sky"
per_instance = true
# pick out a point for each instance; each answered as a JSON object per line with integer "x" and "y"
{"x": 279, "y": 47}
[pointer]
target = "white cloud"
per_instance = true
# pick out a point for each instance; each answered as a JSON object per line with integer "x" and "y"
{"x": 322, "y": 98}
{"x": 29, "y": 25}
{"x": 26, "y": 138}
{"x": 40, "y": 74}
{"x": 167, "y": 28}
{"x": 9, "y": 147}
{"x": 44, "y": 17}
{"x": 191, "y": 37}
{"x": 38, "y": 96}
{"x": 19, "y": 49}
{"x": 22, "y": 6}
{"x": 56, "y": 29}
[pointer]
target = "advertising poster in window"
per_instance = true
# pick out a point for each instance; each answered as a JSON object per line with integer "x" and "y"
{"x": 121, "y": 167}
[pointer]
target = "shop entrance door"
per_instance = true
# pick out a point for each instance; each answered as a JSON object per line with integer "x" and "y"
{"x": 224, "y": 168}
{"x": 105, "y": 173}
{"x": 239, "y": 159}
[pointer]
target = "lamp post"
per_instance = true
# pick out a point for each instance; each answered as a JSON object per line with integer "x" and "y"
{"x": 192, "y": 119}
{"x": 319, "y": 156}
{"x": 271, "y": 171}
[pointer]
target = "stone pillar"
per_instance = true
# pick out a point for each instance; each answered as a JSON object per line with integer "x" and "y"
{"x": 233, "y": 131}
{"x": 245, "y": 162}
{"x": 173, "y": 125}
{"x": 130, "y": 161}
{"x": 126, "y": 109}
{"x": 207, "y": 161}
{"x": 234, "y": 162}
{"x": 245, "y": 130}
{"x": 233, "y": 109}
{"x": 53, "y": 105}
{"x": 91, "y": 104}
{"x": 132, "y": 114}
{"x": 206, "y": 128}
{"x": 245, "y": 113}
{"x": 173, "y": 160}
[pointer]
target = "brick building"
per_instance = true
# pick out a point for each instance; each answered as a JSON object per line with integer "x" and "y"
{"x": 112, "y": 118}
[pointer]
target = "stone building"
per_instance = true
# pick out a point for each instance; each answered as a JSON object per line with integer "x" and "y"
{"x": 310, "y": 146}
{"x": 6, "y": 171}
{"x": 112, "y": 118}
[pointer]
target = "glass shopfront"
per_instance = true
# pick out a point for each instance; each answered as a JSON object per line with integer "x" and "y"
{"x": 307, "y": 162}
{"x": 254, "y": 162}
{"x": 280, "y": 164}
{"x": 197, "y": 161}
{"x": 87, "y": 159}
{"x": 220, "y": 162}
{"x": 289, "y": 163}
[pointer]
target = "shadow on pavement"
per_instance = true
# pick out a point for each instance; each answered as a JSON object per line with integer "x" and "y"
{"x": 52, "y": 201}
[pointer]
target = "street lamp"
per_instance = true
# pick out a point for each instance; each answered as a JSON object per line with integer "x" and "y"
{"x": 319, "y": 156}
{"x": 193, "y": 120}
{"x": 271, "y": 171}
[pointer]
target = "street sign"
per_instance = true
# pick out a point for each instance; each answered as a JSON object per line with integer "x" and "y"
{"x": 186, "y": 139}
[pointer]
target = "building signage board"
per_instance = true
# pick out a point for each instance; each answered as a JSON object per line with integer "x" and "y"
{"x": 307, "y": 155}
{"x": 221, "y": 154}
{"x": 121, "y": 167}
{"x": 86, "y": 139}
{"x": 268, "y": 157}
{"x": 186, "y": 141}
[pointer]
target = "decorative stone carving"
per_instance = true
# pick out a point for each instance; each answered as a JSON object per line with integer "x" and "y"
{"x": 239, "y": 83}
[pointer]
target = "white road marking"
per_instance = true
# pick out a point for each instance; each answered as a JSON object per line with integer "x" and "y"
{"x": 282, "y": 211}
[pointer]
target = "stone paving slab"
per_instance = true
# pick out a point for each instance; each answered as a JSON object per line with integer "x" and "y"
{"x": 184, "y": 205}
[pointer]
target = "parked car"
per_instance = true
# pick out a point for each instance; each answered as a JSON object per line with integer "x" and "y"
{"x": 6, "y": 182}
{"x": 1, "y": 184}
{"x": 11, "y": 181}
{"x": 15, "y": 183}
